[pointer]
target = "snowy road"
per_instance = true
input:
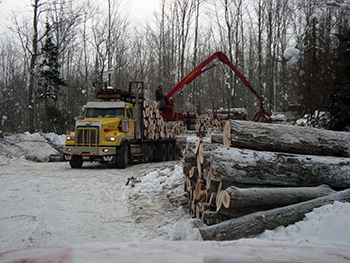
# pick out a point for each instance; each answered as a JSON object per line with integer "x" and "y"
{"x": 49, "y": 204}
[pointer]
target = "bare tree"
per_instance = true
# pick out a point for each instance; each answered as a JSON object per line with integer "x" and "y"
{"x": 108, "y": 42}
{"x": 30, "y": 40}
{"x": 12, "y": 97}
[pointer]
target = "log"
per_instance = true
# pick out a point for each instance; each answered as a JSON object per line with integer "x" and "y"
{"x": 218, "y": 138}
{"x": 211, "y": 218}
{"x": 237, "y": 202}
{"x": 56, "y": 158}
{"x": 226, "y": 111}
{"x": 289, "y": 139}
{"x": 237, "y": 197}
{"x": 242, "y": 166}
{"x": 227, "y": 134}
{"x": 45, "y": 159}
{"x": 236, "y": 212}
{"x": 190, "y": 143}
{"x": 198, "y": 144}
{"x": 256, "y": 223}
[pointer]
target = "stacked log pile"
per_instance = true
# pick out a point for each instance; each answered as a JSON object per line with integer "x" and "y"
{"x": 206, "y": 122}
{"x": 233, "y": 189}
{"x": 227, "y": 114}
{"x": 213, "y": 120}
{"x": 155, "y": 127}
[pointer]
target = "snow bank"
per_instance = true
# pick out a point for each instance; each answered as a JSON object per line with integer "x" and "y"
{"x": 169, "y": 183}
{"x": 58, "y": 140}
{"x": 164, "y": 179}
{"x": 329, "y": 224}
{"x": 187, "y": 230}
{"x": 32, "y": 147}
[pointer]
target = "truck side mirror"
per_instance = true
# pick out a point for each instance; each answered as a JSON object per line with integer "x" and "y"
{"x": 124, "y": 123}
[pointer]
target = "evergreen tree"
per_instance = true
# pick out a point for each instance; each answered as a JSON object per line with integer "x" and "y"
{"x": 50, "y": 80}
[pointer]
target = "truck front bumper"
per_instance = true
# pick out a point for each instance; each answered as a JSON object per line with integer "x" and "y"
{"x": 104, "y": 153}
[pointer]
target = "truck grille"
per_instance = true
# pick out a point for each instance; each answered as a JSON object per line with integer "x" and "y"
{"x": 87, "y": 137}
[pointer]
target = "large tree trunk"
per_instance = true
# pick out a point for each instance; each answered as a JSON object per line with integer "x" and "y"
{"x": 286, "y": 138}
{"x": 256, "y": 223}
{"x": 241, "y": 166}
{"x": 237, "y": 202}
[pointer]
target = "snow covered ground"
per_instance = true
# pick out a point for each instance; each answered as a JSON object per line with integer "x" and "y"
{"x": 52, "y": 213}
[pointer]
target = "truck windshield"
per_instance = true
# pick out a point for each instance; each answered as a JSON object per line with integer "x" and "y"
{"x": 105, "y": 113}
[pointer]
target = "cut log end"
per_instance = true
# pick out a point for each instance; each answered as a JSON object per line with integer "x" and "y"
{"x": 227, "y": 134}
{"x": 45, "y": 159}
{"x": 197, "y": 191}
{"x": 225, "y": 198}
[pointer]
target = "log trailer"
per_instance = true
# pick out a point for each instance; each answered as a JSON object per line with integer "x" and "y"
{"x": 111, "y": 131}
{"x": 167, "y": 110}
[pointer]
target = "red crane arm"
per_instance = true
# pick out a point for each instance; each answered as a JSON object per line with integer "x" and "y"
{"x": 192, "y": 75}
{"x": 201, "y": 68}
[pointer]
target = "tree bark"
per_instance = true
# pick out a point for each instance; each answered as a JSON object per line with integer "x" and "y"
{"x": 236, "y": 201}
{"x": 34, "y": 55}
{"x": 237, "y": 197}
{"x": 241, "y": 166}
{"x": 289, "y": 139}
{"x": 256, "y": 223}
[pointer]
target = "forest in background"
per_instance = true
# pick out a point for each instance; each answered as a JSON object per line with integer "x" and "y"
{"x": 293, "y": 52}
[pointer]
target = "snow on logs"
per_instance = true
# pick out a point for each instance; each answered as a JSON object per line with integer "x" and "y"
{"x": 242, "y": 166}
{"x": 284, "y": 138}
{"x": 254, "y": 190}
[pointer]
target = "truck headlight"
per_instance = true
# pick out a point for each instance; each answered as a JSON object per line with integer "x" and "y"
{"x": 70, "y": 138}
{"x": 111, "y": 138}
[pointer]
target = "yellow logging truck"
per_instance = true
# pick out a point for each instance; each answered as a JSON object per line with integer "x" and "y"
{"x": 112, "y": 131}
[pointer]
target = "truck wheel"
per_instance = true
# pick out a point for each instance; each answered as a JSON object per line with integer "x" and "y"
{"x": 170, "y": 152}
{"x": 76, "y": 162}
{"x": 146, "y": 154}
{"x": 177, "y": 153}
{"x": 161, "y": 152}
{"x": 122, "y": 158}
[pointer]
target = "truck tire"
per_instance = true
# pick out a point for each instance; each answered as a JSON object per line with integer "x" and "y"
{"x": 170, "y": 152}
{"x": 146, "y": 153}
{"x": 122, "y": 156}
{"x": 76, "y": 162}
{"x": 161, "y": 152}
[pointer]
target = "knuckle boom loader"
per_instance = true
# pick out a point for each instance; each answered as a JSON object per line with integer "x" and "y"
{"x": 167, "y": 110}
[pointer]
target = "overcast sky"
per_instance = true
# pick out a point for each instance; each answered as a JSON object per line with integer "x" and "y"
{"x": 140, "y": 9}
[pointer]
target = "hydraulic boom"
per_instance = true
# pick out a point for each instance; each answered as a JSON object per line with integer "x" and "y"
{"x": 167, "y": 111}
